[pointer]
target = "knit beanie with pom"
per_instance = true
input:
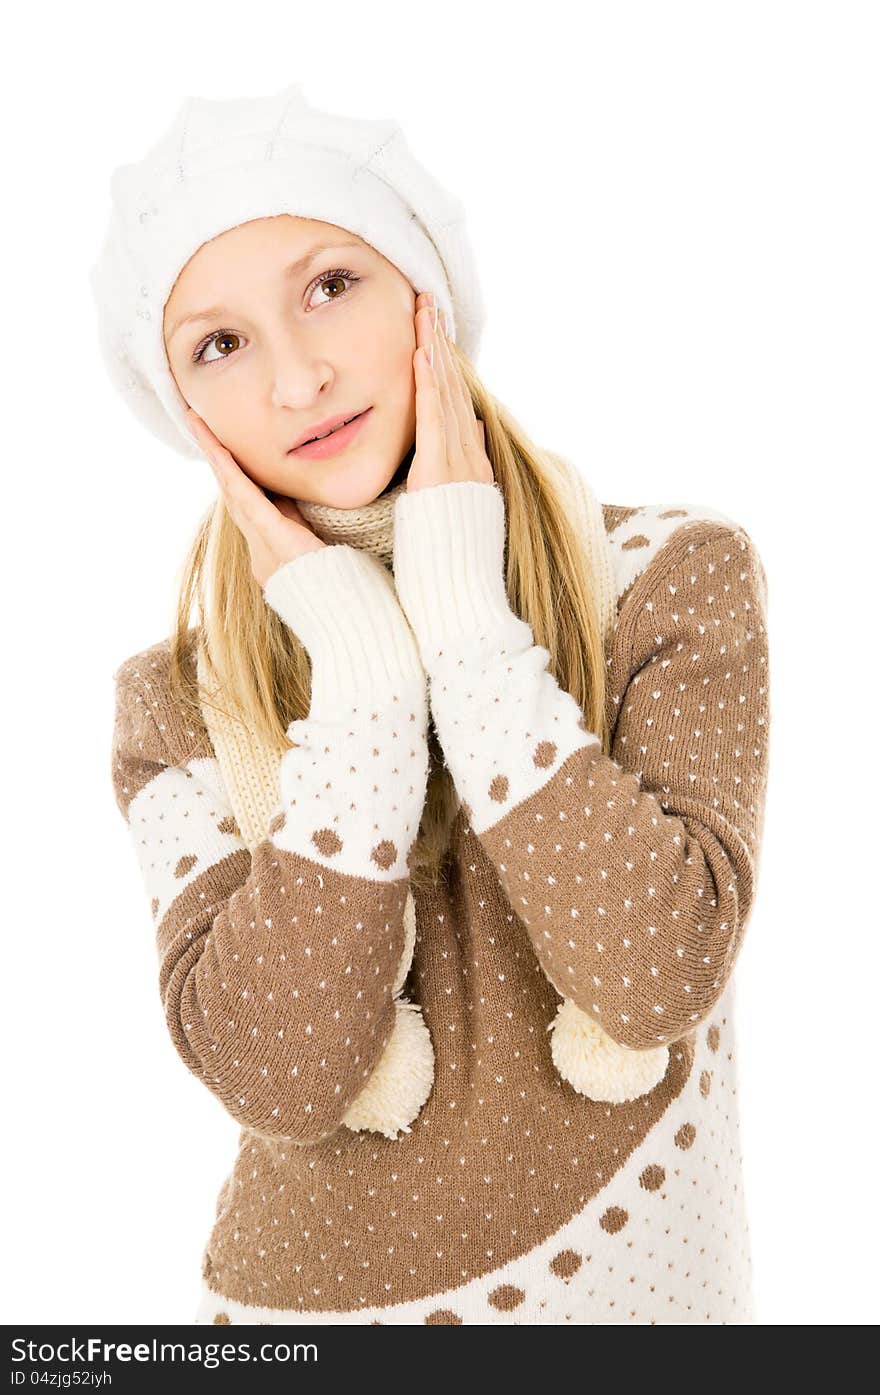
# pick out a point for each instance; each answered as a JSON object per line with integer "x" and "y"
{"x": 226, "y": 162}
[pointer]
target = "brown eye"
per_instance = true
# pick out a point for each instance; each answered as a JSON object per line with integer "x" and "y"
{"x": 222, "y": 337}
{"x": 226, "y": 339}
{"x": 330, "y": 278}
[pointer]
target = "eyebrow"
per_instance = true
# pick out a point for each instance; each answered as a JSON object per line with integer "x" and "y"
{"x": 292, "y": 269}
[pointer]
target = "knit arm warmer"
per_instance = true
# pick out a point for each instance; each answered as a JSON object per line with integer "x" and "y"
{"x": 634, "y": 873}
{"x": 341, "y": 603}
{"x": 277, "y": 968}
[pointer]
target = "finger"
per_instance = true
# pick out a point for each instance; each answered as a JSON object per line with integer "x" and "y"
{"x": 211, "y": 448}
{"x": 454, "y": 458}
{"x": 222, "y": 462}
{"x": 466, "y": 434}
{"x": 486, "y": 462}
{"x": 254, "y": 513}
{"x": 213, "y": 453}
{"x": 442, "y": 381}
{"x": 430, "y": 418}
{"x": 457, "y": 396}
{"x": 244, "y": 499}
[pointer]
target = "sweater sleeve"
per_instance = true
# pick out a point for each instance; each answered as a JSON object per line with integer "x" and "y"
{"x": 277, "y": 967}
{"x": 634, "y": 872}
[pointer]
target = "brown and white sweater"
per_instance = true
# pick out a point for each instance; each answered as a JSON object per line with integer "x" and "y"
{"x": 622, "y": 883}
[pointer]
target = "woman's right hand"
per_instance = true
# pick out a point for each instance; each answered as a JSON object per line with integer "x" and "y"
{"x": 273, "y": 526}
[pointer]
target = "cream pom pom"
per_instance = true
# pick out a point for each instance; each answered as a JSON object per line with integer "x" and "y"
{"x": 402, "y": 1080}
{"x": 596, "y": 1065}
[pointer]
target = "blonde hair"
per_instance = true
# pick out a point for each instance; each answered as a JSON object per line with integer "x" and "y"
{"x": 265, "y": 673}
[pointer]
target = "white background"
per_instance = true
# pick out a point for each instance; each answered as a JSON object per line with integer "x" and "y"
{"x": 675, "y": 212}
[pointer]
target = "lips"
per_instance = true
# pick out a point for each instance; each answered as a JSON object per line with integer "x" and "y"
{"x": 334, "y": 441}
{"x": 332, "y": 429}
{"x": 321, "y": 435}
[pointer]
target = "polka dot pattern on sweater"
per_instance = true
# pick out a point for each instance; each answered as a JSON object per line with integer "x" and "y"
{"x": 513, "y": 1198}
{"x": 635, "y": 883}
{"x": 680, "y": 1256}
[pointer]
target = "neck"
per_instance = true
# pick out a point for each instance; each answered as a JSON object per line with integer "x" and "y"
{"x": 371, "y": 527}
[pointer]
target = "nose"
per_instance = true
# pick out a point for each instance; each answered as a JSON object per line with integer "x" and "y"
{"x": 298, "y": 371}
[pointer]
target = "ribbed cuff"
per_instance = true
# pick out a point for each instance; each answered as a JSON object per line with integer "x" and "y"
{"x": 449, "y": 567}
{"x": 341, "y": 604}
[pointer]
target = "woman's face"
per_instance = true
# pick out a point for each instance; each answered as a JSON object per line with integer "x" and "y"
{"x": 281, "y": 352}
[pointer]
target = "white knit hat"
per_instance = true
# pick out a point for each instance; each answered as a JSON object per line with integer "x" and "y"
{"x": 223, "y": 163}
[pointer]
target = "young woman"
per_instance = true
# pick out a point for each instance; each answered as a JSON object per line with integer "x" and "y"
{"x": 449, "y": 805}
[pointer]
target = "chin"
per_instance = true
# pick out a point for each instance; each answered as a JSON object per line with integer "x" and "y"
{"x": 399, "y": 475}
{"x": 355, "y": 500}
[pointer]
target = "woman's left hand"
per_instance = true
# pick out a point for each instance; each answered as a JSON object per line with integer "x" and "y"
{"x": 450, "y": 438}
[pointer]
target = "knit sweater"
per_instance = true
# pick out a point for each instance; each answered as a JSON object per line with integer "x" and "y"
{"x": 619, "y": 883}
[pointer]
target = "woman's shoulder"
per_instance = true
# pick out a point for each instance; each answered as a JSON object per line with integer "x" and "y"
{"x": 147, "y": 673}
{"x": 635, "y": 547}
{"x": 147, "y": 711}
{"x": 645, "y": 540}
